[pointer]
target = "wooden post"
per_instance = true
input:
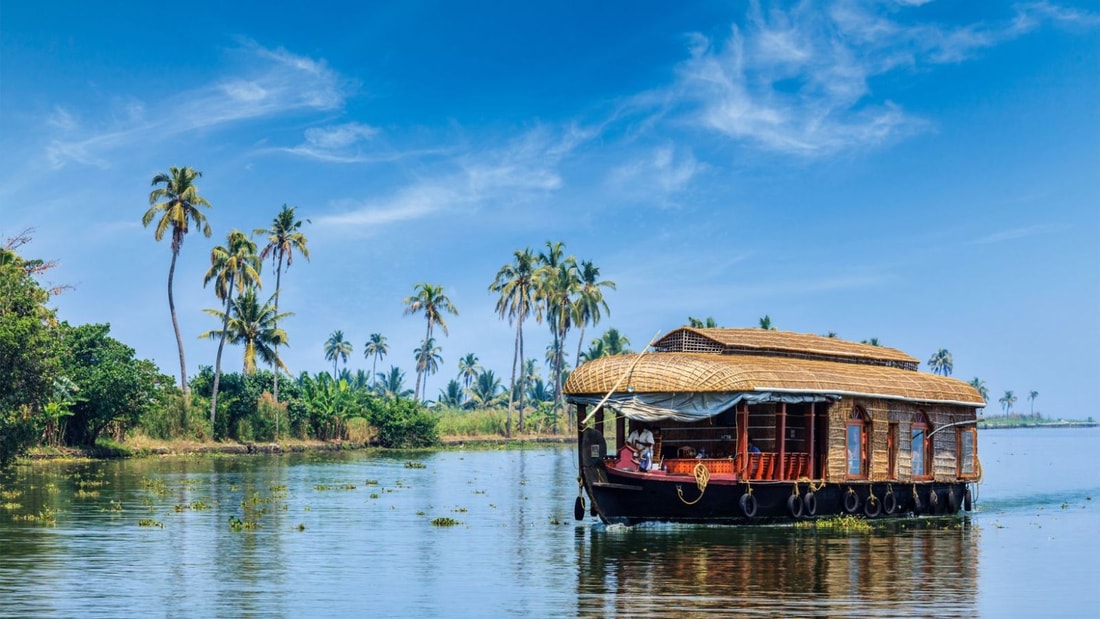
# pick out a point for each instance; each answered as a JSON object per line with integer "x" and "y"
{"x": 781, "y": 469}
{"x": 599, "y": 419}
{"x": 743, "y": 436}
{"x": 620, "y": 432}
{"x": 811, "y": 446}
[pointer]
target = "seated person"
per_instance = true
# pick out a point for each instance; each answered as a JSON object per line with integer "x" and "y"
{"x": 640, "y": 441}
{"x": 753, "y": 449}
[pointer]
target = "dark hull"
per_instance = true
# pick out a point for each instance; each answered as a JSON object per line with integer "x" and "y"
{"x": 628, "y": 497}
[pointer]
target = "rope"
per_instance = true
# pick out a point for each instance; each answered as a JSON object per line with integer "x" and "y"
{"x": 702, "y": 476}
{"x": 810, "y": 483}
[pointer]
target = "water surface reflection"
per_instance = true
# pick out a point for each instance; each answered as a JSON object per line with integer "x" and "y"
{"x": 928, "y": 568}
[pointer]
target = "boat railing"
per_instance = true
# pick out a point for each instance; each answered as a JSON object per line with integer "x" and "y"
{"x": 757, "y": 466}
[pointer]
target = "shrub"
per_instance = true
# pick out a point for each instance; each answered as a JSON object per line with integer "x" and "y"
{"x": 403, "y": 423}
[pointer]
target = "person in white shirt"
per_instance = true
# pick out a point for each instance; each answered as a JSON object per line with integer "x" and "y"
{"x": 640, "y": 441}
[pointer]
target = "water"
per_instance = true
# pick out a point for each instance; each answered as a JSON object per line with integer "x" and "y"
{"x": 351, "y": 534}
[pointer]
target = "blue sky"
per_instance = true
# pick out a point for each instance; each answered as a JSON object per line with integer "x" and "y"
{"x": 927, "y": 173}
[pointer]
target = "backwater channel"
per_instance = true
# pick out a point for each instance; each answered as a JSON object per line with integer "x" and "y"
{"x": 351, "y": 534}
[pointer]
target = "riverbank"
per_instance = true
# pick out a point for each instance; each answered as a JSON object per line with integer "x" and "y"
{"x": 1044, "y": 424}
{"x": 145, "y": 447}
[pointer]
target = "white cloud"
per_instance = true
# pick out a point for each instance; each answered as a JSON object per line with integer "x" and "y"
{"x": 797, "y": 82}
{"x": 268, "y": 83}
{"x": 524, "y": 167}
{"x": 656, "y": 175}
{"x": 1014, "y": 233}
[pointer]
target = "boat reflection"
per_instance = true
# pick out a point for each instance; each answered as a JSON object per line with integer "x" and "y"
{"x": 917, "y": 567}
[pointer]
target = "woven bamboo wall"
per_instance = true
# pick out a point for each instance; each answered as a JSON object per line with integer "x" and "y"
{"x": 882, "y": 412}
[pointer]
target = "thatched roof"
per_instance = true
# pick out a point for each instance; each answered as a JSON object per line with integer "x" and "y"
{"x": 781, "y": 344}
{"x": 669, "y": 372}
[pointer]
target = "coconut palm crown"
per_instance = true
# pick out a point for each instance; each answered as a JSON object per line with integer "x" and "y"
{"x": 178, "y": 203}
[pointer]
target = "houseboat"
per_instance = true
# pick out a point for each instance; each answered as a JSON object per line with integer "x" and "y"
{"x": 751, "y": 426}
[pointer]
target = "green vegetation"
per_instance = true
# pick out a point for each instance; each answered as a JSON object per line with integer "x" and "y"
{"x": 941, "y": 362}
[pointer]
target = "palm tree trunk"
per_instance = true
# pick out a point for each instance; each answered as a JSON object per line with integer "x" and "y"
{"x": 522, "y": 376}
{"x": 580, "y": 340}
{"x": 278, "y": 285}
{"x": 176, "y": 326}
{"x": 218, "y": 359}
{"x": 512, "y": 391}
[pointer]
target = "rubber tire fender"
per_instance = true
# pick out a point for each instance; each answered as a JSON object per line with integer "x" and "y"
{"x": 933, "y": 501}
{"x": 811, "y": 504}
{"x": 952, "y": 501}
{"x": 916, "y": 503}
{"x": 851, "y": 502}
{"x": 968, "y": 501}
{"x": 748, "y": 505}
{"x": 873, "y": 507}
{"x": 578, "y": 509}
{"x": 795, "y": 506}
{"x": 890, "y": 503}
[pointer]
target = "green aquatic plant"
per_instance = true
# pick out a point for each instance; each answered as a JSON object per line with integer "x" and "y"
{"x": 844, "y": 522}
{"x": 236, "y": 524}
{"x": 415, "y": 465}
{"x": 149, "y": 522}
{"x": 445, "y": 522}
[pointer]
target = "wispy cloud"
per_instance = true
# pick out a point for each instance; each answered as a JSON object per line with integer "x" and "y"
{"x": 521, "y": 168}
{"x": 1014, "y": 234}
{"x": 268, "y": 83}
{"x": 797, "y": 82}
{"x": 657, "y": 174}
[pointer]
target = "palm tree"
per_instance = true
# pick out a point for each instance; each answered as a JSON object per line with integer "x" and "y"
{"x": 253, "y": 325}
{"x": 586, "y": 308}
{"x": 558, "y": 282}
{"x": 430, "y": 300}
{"x": 941, "y": 362}
{"x": 486, "y": 390}
{"x": 453, "y": 395}
{"x": 1007, "y": 400}
{"x": 178, "y": 203}
{"x": 337, "y": 348}
{"x": 516, "y": 284}
{"x": 282, "y": 239}
{"x": 377, "y": 348}
{"x": 873, "y": 342}
{"x": 392, "y": 384}
{"x": 695, "y": 323}
{"x": 595, "y": 350}
{"x": 1031, "y": 400}
{"x": 766, "y": 323}
{"x": 428, "y": 359}
{"x": 616, "y": 343}
{"x": 233, "y": 267}
{"x": 979, "y": 384}
{"x": 468, "y": 369}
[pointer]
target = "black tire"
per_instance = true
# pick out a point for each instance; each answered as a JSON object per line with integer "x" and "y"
{"x": 916, "y": 503}
{"x": 873, "y": 507}
{"x": 748, "y": 505}
{"x": 794, "y": 505}
{"x": 933, "y": 502}
{"x": 578, "y": 509}
{"x": 810, "y": 501}
{"x": 968, "y": 502}
{"x": 952, "y": 501}
{"x": 890, "y": 503}
{"x": 851, "y": 502}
